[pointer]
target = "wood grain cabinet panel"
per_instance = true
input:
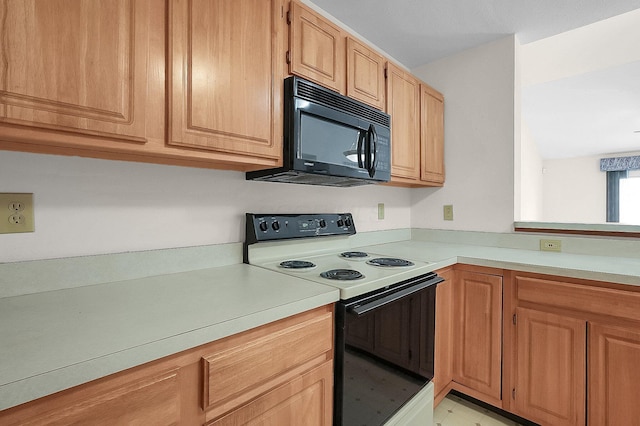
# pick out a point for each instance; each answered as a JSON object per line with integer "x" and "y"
{"x": 431, "y": 136}
{"x": 365, "y": 74}
{"x": 225, "y": 76}
{"x": 477, "y": 361}
{"x": 150, "y": 400}
{"x": 78, "y": 66}
{"x": 614, "y": 376}
{"x": 443, "y": 347}
{"x": 306, "y": 401}
{"x": 551, "y": 362}
{"x": 237, "y": 373}
{"x": 403, "y": 104}
{"x": 317, "y": 48}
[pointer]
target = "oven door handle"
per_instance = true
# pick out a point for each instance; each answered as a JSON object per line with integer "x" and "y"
{"x": 359, "y": 310}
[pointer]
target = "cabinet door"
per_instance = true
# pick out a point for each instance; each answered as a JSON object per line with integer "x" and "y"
{"x": 444, "y": 334}
{"x": 316, "y": 48}
{"x": 225, "y": 76}
{"x": 477, "y": 361}
{"x": 550, "y": 368}
{"x": 365, "y": 74}
{"x": 78, "y": 67}
{"x": 614, "y": 376}
{"x": 306, "y": 400}
{"x": 432, "y": 135}
{"x": 403, "y": 104}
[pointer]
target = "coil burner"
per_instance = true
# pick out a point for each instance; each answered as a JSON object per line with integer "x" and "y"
{"x": 354, "y": 254}
{"x": 297, "y": 264}
{"x": 342, "y": 274}
{"x": 389, "y": 262}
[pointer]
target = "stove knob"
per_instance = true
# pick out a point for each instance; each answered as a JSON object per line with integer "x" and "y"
{"x": 263, "y": 226}
{"x": 323, "y": 223}
{"x": 340, "y": 223}
{"x": 275, "y": 225}
{"x": 347, "y": 222}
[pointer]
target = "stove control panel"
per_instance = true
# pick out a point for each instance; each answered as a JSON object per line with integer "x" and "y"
{"x": 267, "y": 227}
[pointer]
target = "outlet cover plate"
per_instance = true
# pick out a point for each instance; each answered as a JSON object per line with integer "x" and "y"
{"x": 551, "y": 245}
{"x": 447, "y": 212}
{"x": 16, "y": 213}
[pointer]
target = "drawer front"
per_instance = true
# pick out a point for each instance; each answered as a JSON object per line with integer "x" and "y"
{"x": 239, "y": 372}
{"x": 305, "y": 400}
{"x": 578, "y": 297}
{"x": 150, "y": 400}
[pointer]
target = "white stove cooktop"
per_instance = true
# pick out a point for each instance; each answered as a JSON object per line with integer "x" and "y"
{"x": 320, "y": 239}
{"x": 374, "y": 277}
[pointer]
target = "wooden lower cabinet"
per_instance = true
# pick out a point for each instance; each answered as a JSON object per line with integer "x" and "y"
{"x": 614, "y": 375}
{"x": 301, "y": 401}
{"x": 550, "y": 381}
{"x": 477, "y": 359}
{"x": 443, "y": 352}
{"x": 576, "y": 350}
{"x": 280, "y": 373}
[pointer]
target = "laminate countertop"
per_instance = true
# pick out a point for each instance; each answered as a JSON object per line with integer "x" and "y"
{"x": 614, "y": 269}
{"x": 55, "y": 340}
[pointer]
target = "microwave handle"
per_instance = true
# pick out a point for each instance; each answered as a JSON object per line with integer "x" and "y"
{"x": 372, "y": 145}
{"x": 361, "y": 136}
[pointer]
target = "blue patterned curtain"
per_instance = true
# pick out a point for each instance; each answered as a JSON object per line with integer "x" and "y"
{"x": 616, "y": 164}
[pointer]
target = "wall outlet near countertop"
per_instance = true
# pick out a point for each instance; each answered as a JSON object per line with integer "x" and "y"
{"x": 380, "y": 211}
{"x": 16, "y": 213}
{"x": 448, "y": 212}
{"x": 551, "y": 245}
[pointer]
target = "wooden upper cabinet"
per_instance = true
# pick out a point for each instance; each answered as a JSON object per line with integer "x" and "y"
{"x": 365, "y": 74}
{"x": 316, "y": 48}
{"x": 403, "y": 104}
{"x": 550, "y": 368}
{"x": 76, "y": 66}
{"x": 477, "y": 361}
{"x": 431, "y": 135}
{"x": 225, "y": 76}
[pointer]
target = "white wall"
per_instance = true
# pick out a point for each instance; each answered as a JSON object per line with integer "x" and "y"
{"x": 478, "y": 87}
{"x": 87, "y": 206}
{"x": 574, "y": 190}
{"x": 531, "y": 178}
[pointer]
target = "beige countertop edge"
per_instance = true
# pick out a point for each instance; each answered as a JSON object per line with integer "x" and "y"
{"x": 31, "y": 388}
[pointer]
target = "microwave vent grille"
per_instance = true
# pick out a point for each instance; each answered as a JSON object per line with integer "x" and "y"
{"x": 330, "y": 99}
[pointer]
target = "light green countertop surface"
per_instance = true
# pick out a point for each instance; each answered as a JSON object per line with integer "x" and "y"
{"x": 53, "y": 340}
{"x": 58, "y": 339}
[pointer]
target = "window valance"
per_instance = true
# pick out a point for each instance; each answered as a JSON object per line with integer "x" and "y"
{"x": 615, "y": 164}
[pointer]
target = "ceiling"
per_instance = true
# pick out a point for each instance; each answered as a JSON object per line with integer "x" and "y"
{"x": 593, "y": 113}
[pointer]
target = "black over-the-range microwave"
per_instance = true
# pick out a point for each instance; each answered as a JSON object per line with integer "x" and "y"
{"x": 330, "y": 139}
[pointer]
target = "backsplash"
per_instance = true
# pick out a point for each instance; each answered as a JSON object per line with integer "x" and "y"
{"x": 87, "y": 206}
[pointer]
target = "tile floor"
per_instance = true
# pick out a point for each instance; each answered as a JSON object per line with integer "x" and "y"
{"x": 455, "y": 411}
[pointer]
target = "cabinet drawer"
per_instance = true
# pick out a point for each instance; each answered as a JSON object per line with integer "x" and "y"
{"x": 148, "y": 400}
{"x": 310, "y": 393}
{"x": 240, "y": 372}
{"x": 578, "y": 297}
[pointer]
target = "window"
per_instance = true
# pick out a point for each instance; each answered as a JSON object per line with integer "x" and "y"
{"x": 629, "y": 202}
{"x": 623, "y": 189}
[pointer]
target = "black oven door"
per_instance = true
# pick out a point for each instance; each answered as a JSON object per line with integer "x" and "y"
{"x": 384, "y": 350}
